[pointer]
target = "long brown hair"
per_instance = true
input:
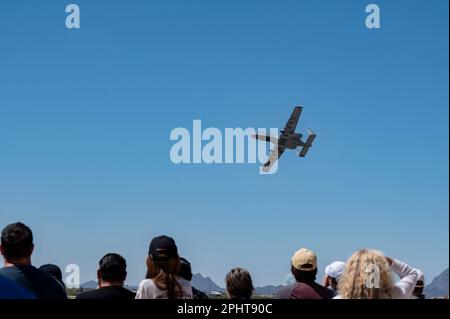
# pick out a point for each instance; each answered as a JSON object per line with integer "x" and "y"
{"x": 164, "y": 275}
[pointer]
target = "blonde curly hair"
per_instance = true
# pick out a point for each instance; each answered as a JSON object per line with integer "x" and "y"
{"x": 367, "y": 275}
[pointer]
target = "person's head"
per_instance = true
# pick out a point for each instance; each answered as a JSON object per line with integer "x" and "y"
{"x": 185, "y": 270}
{"x": 420, "y": 285}
{"x": 112, "y": 270}
{"x": 367, "y": 275}
{"x": 304, "y": 265}
{"x": 333, "y": 272}
{"x": 54, "y": 272}
{"x": 239, "y": 284}
{"x": 17, "y": 244}
{"x": 162, "y": 265}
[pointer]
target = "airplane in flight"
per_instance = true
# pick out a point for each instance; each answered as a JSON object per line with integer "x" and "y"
{"x": 288, "y": 139}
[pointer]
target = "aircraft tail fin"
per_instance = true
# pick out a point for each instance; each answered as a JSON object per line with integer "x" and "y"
{"x": 308, "y": 143}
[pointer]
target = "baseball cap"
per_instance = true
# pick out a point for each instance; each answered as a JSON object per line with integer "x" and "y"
{"x": 305, "y": 260}
{"x": 335, "y": 269}
{"x": 163, "y": 248}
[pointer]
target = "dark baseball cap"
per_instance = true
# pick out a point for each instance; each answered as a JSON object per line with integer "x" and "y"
{"x": 163, "y": 248}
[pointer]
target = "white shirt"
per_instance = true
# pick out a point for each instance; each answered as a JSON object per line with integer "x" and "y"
{"x": 149, "y": 290}
{"x": 408, "y": 277}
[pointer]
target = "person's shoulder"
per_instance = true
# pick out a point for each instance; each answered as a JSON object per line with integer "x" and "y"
{"x": 287, "y": 287}
{"x": 111, "y": 292}
{"x": 147, "y": 283}
{"x": 127, "y": 293}
{"x": 323, "y": 291}
{"x": 87, "y": 294}
{"x": 285, "y": 292}
{"x": 42, "y": 285}
{"x": 8, "y": 271}
{"x": 12, "y": 290}
{"x": 31, "y": 272}
{"x": 147, "y": 289}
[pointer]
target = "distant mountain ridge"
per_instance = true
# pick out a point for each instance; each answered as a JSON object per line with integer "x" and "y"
{"x": 207, "y": 285}
{"x": 91, "y": 284}
{"x": 438, "y": 286}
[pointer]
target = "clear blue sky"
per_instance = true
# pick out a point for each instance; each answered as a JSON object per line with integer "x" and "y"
{"x": 85, "y": 118}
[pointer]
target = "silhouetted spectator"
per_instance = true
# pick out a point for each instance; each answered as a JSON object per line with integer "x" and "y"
{"x": 111, "y": 275}
{"x": 239, "y": 284}
{"x": 185, "y": 272}
{"x": 162, "y": 280}
{"x": 17, "y": 247}
{"x": 55, "y": 272}
{"x": 304, "y": 269}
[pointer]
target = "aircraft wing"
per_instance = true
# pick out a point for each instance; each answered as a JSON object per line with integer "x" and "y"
{"x": 266, "y": 138}
{"x": 273, "y": 157}
{"x": 291, "y": 124}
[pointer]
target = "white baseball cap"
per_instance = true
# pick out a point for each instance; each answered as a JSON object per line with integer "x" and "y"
{"x": 335, "y": 269}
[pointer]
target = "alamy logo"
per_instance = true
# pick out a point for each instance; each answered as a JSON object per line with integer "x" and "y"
{"x": 373, "y": 276}
{"x": 73, "y": 277}
{"x": 211, "y": 146}
{"x": 232, "y": 146}
{"x": 373, "y": 19}
{"x": 73, "y": 19}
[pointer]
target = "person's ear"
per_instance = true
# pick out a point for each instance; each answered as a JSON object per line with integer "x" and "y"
{"x": 32, "y": 249}
{"x": 99, "y": 274}
{"x": 2, "y": 250}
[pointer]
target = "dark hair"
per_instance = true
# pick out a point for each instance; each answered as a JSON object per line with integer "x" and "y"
{"x": 334, "y": 282}
{"x": 304, "y": 276}
{"x": 112, "y": 267}
{"x": 239, "y": 284}
{"x": 52, "y": 271}
{"x": 17, "y": 241}
{"x": 185, "y": 270}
